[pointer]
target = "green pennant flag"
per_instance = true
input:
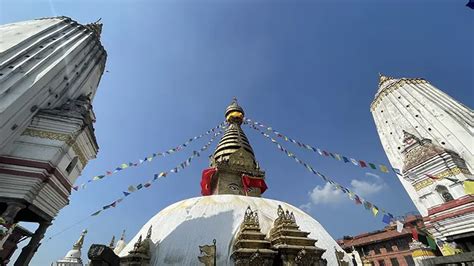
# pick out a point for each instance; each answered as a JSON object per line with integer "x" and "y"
{"x": 431, "y": 242}
{"x": 96, "y": 213}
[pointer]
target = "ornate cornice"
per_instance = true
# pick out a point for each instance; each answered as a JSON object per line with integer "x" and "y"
{"x": 47, "y": 135}
{"x": 446, "y": 173}
{"x": 393, "y": 87}
{"x": 67, "y": 138}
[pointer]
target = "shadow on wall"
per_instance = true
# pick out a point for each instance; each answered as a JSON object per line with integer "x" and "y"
{"x": 181, "y": 246}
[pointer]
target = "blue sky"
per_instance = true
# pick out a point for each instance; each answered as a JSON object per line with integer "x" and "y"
{"x": 309, "y": 69}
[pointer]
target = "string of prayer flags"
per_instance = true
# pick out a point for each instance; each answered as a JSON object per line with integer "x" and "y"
{"x": 353, "y": 196}
{"x": 149, "y": 158}
{"x": 399, "y": 226}
{"x": 339, "y": 157}
{"x": 134, "y": 188}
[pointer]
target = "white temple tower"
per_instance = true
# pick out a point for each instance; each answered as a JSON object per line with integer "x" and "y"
{"x": 429, "y": 136}
{"x": 74, "y": 256}
{"x": 49, "y": 72}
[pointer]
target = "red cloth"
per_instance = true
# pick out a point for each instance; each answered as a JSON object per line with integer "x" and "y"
{"x": 432, "y": 177}
{"x": 414, "y": 233}
{"x": 362, "y": 164}
{"x": 206, "y": 181}
{"x": 248, "y": 181}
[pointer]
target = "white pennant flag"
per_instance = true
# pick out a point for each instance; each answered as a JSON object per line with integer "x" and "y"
{"x": 399, "y": 226}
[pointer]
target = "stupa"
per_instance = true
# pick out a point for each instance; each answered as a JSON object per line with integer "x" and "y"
{"x": 247, "y": 229}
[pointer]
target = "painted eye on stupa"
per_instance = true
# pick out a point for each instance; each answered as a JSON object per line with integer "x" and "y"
{"x": 234, "y": 187}
{"x": 250, "y": 189}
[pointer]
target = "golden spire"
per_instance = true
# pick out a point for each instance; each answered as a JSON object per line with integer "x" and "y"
{"x": 80, "y": 241}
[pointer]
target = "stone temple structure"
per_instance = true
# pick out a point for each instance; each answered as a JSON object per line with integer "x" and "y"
{"x": 429, "y": 136}
{"x": 231, "y": 224}
{"x": 50, "y": 69}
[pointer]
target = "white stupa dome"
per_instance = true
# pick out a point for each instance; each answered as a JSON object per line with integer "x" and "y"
{"x": 182, "y": 227}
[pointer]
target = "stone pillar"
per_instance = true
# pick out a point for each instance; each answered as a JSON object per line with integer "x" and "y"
{"x": 9, "y": 216}
{"x": 29, "y": 250}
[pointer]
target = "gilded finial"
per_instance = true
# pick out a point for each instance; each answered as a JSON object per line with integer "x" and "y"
{"x": 234, "y": 113}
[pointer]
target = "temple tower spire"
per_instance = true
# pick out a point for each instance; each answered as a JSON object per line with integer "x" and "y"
{"x": 234, "y": 169}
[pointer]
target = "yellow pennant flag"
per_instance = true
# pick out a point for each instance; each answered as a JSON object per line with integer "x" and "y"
{"x": 375, "y": 211}
{"x": 469, "y": 187}
{"x": 124, "y": 165}
{"x": 383, "y": 168}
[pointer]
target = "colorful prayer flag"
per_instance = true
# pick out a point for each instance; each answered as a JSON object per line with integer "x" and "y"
{"x": 372, "y": 166}
{"x": 414, "y": 233}
{"x": 386, "y": 219}
{"x": 132, "y": 189}
{"x": 362, "y": 164}
{"x": 357, "y": 200}
{"x": 383, "y": 168}
{"x": 469, "y": 186}
{"x": 345, "y": 159}
{"x": 140, "y": 186}
{"x": 126, "y": 193}
{"x": 375, "y": 210}
{"x": 399, "y": 226}
{"x": 354, "y": 162}
{"x": 75, "y": 188}
{"x": 96, "y": 213}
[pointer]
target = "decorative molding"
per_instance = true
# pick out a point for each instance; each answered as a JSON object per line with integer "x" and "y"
{"x": 80, "y": 155}
{"x": 446, "y": 173}
{"x": 67, "y": 138}
{"x": 48, "y": 135}
{"x": 393, "y": 87}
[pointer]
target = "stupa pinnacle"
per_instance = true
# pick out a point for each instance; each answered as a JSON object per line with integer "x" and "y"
{"x": 234, "y": 169}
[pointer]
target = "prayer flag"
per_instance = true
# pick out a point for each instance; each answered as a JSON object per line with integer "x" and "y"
{"x": 399, "y": 226}
{"x": 113, "y": 204}
{"x": 96, "y": 213}
{"x": 345, "y": 159}
{"x": 155, "y": 177}
{"x": 383, "y": 168}
{"x": 147, "y": 184}
{"x": 338, "y": 157}
{"x": 162, "y": 174}
{"x": 375, "y": 210}
{"x": 362, "y": 164}
{"x": 140, "y": 186}
{"x": 325, "y": 153}
{"x": 75, "y": 188}
{"x": 124, "y": 165}
{"x": 354, "y": 162}
{"x": 367, "y": 205}
{"x": 106, "y": 207}
{"x": 397, "y": 171}
{"x": 357, "y": 200}
{"x": 386, "y": 219}
{"x": 469, "y": 186}
{"x": 132, "y": 189}
{"x": 332, "y": 155}
{"x": 320, "y": 152}
{"x": 119, "y": 200}
{"x": 108, "y": 173}
{"x": 372, "y": 166}
{"x": 126, "y": 193}
{"x": 431, "y": 242}
{"x": 414, "y": 233}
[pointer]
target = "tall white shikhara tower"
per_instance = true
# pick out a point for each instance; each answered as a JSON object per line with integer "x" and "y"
{"x": 429, "y": 136}
{"x": 50, "y": 69}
